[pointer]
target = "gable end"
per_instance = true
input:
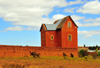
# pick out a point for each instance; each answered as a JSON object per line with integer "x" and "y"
{"x": 44, "y": 27}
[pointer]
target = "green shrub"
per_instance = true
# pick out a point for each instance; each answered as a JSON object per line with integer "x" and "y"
{"x": 98, "y": 53}
{"x": 64, "y": 55}
{"x": 80, "y": 53}
{"x": 83, "y": 53}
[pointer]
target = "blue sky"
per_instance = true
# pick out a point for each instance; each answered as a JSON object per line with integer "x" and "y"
{"x": 20, "y": 21}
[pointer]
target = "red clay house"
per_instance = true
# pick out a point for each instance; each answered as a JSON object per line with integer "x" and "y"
{"x": 62, "y": 33}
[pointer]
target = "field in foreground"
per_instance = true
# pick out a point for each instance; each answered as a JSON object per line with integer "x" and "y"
{"x": 49, "y": 62}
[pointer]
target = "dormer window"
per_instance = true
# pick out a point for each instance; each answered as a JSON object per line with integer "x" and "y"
{"x": 69, "y": 24}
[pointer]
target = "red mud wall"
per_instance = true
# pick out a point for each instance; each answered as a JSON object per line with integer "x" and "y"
{"x": 17, "y": 51}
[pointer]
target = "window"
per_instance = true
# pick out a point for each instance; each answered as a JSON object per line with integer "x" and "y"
{"x": 69, "y": 24}
{"x": 52, "y": 37}
{"x": 43, "y": 36}
{"x": 69, "y": 37}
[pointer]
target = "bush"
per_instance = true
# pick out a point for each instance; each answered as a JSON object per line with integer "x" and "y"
{"x": 34, "y": 54}
{"x": 83, "y": 53}
{"x": 71, "y": 55}
{"x": 80, "y": 53}
{"x": 98, "y": 53}
{"x": 64, "y": 55}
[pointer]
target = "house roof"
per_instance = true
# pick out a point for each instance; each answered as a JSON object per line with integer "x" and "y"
{"x": 93, "y": 50}
{"x": 58, "y": 24}
{"x": 53, "y": 26}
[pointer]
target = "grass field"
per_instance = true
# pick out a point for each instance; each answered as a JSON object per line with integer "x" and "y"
{"x": 49, "y": 62}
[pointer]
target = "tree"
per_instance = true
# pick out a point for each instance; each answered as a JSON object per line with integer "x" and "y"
{"x": 97, "y": 46}
{"x": 84, "y": 45}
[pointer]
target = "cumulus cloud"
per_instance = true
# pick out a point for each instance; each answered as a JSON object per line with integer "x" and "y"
{"x": 28, "y": 12}
{"x": 87, "y": 22}
{"x": 92, "y": 7}
{"x": 19, "y": 28}
{"x": 58, "y": 16}
{"x": 76, "y": 2}
{"x": 71, "y": 10}
{"x": 92, "y": 22}
{"x": 16, "y": 28}
{"x": 89, "y": 33}
{"x": 77, "y": 18}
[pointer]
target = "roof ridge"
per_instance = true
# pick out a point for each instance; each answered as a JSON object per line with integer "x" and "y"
{"x": 62, "y": 22}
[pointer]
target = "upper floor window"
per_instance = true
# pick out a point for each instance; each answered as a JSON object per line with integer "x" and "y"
{"x": 69, "y": 37}
{"x": 43, "y": 36}
{"x": 52, "y": 37}
{"x": 69, "y": 24}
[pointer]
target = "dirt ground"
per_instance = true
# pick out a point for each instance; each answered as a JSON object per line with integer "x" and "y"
{"x": 49, "y": 62}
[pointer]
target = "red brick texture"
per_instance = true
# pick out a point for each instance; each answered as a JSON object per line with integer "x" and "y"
{"x": 18, "y": 51}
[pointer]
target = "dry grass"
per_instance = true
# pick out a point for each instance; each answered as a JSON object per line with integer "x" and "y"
{"x": 49, "y": 62}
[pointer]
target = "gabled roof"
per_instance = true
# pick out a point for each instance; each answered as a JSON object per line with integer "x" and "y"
{"x": 58, "y": 24}
{"x": 53, "y": 26}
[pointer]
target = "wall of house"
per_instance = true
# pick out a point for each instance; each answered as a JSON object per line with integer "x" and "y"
{"x": 69, "y": 30}
{"x": 18, "y": 51}
{"x": 43, "y": 41}
{"x": 59, "y": 38}
{"x": 49, "y": 42}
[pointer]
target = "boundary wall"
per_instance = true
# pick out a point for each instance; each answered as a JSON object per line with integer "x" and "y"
{"x": 19, "y": 51}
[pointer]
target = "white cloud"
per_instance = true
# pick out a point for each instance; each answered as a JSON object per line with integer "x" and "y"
{"x": 88, "y": 24}
{"x": 28, "y": 12}
{"x": 32, "y": 28}
{"x": 19, "y": 28}
{"x": 76, "y": 2}
{"x": 58, "y": 16}
{"x": 89, "y": 33}
{"x": 16, "y": 28}
{"x": 92, "y": 20}
{"x": 92, "y": 7}
{"x": 71, "y": 10}
{"x": 77, "y": 18}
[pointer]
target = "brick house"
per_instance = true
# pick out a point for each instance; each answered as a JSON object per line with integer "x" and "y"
{"x": 62, "y": 33}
